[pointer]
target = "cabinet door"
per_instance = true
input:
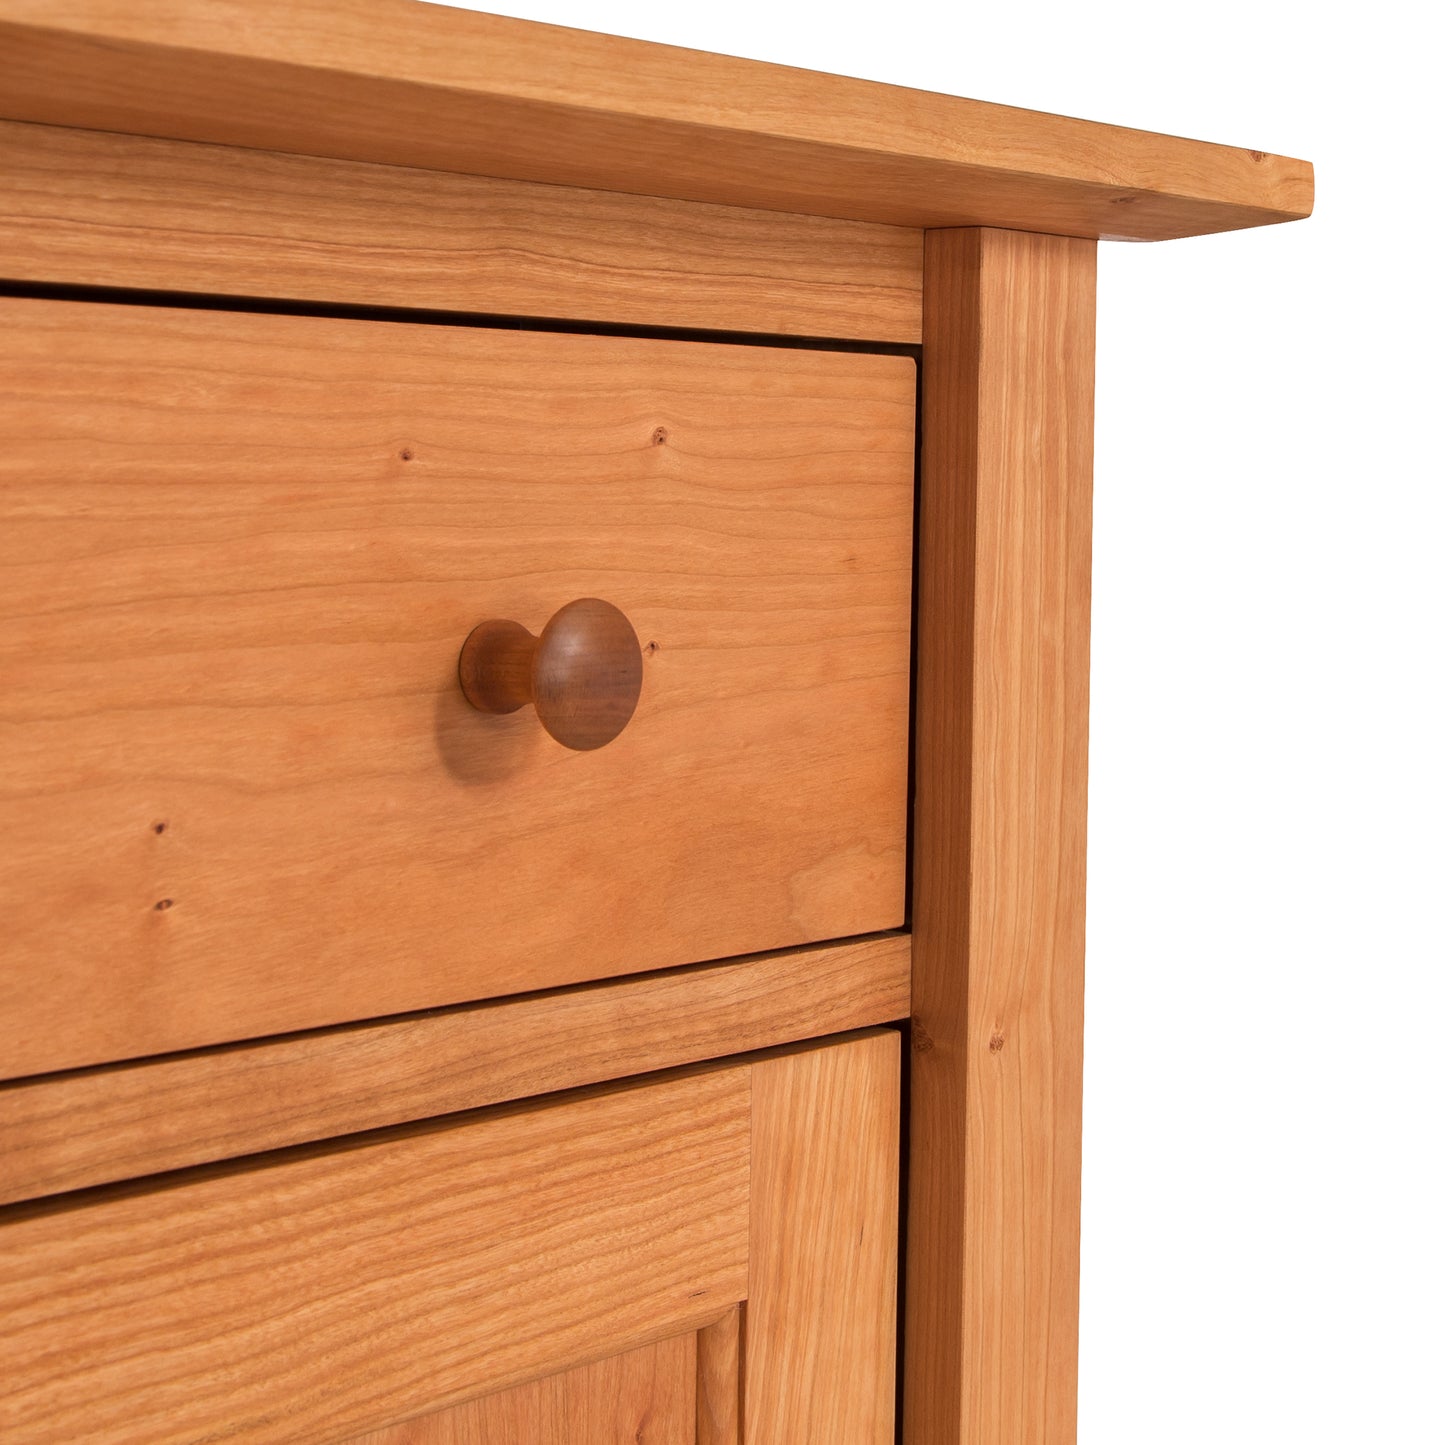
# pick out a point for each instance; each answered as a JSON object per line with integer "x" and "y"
{"x": 709, "y": 1256}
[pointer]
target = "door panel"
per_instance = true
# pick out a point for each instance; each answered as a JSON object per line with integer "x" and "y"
{"x": 707, "y": 1257}
{"x": 645, "y": 1397}
{"x": 346, "y": 1287}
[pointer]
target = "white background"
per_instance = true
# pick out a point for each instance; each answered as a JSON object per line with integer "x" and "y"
{"x": 1263, "y": 1207}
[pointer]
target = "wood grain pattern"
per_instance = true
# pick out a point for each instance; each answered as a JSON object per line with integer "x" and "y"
{"x": 998, "y": 916}
{"x": 821, "y": 1338}
{"x": 238, "y": 556}
{"x": 719, "y": 1381}
{"x": 74, "y": 1130}
{"x": 643, "y": 1397}
{"x": 91, "y": 208}
{"x": 288, "y": 1303}
{"x": 448, "y": 90}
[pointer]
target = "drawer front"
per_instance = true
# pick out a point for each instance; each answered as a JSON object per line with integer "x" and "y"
{"x": 239, "y": 554}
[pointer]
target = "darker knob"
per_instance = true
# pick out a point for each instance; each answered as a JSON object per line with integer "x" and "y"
{"x": 583, "y": 674}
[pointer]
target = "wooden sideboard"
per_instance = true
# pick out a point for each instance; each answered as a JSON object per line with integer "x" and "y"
{"x": 594, "y": 1033}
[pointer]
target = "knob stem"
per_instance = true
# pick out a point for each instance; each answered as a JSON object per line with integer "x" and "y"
{"x": 496, "y": 668}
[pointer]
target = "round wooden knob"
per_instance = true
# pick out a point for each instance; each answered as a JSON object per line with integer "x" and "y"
{"x": 583, "y": 674}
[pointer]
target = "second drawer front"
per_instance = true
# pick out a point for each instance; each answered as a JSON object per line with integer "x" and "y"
{"x": 238, "y": 557}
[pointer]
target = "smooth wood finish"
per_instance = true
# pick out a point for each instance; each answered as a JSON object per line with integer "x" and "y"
{"x": 719, "y": 1381}
{"x": 821, "y": 1341}
{"x": 340, "y": 1289}
{"x": 998, "y": 916}
{"x": 245, "y": 564}
{"x": 644, "y": 1397}
{"x": 220, "y": 220}
{"x": 238, "y": 556}
{"x": 583, "y": 674}
{"x": 71, "y": 1131}
{"x": 384, "y": 1283}
{"x": 419, "y": 85}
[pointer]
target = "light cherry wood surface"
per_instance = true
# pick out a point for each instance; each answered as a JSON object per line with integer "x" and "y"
{"x": 719, "y": 1381}
{"x": 492, "y": 1275}
{"x": 221, "y": 220}
{"x": 239, "y": 555}
{"x": 449, "y": 90}
{"x": 341, "y": 1288}
{"x": 244, "y": 795}
{"x": 821, "y": 1343}
{"x": 644, "y": 1397}
{"x": 998, "y": 916}
{"x": 92, "y": 1126}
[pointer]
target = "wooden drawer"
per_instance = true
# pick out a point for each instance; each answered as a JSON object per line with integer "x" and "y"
{"x": 240, "y": 555}
{"x": 315, "y": 1294}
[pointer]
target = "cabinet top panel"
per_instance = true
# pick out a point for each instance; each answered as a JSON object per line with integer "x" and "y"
{"x": 405, "y": 83}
